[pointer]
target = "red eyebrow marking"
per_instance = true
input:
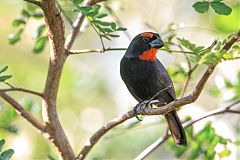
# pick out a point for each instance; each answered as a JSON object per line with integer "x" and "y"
{"x": 146, "y": 34}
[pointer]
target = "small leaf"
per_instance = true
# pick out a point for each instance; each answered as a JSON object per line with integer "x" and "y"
{"x": 91, "y": 13}
{"x": 25, "y": 13}
{"x": 2, "y": 142}
{"x": 201, "y": 7}
{"x": 85, "y": 8}
{"x": 100, "y": 15}
{"x": 113, "y": 35}
{"x": 77, "y": 1}
{"x": 121, "y": 29}
{"x": 102, "y": 23}
{"x": 226, "y": 152}
{"x": 18, "y": 22}
{"x": 38, "y": 14}
{"x": 227, "y": 56}
{"x": 96, "y": 7}
{"x": 3, "y": 69}
{"x": 6, "y": 155}
{"x": 221, "y": 8}
{"x": 108, "y": 30}
{"x": 5, "y": 77}
{"x": 113, "y": 26}
{"x": 40, "y": 30}
{"x": 15, "y": 37}
{"x": 40, "y": 44}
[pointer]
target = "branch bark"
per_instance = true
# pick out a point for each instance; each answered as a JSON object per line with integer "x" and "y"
{"x": 27, "y": 115}
{"x": 57, "y": 58}
{"x": 23, "y": 90}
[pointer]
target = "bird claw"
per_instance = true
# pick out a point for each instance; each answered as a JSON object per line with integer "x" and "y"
{"x": 142, "y": 105}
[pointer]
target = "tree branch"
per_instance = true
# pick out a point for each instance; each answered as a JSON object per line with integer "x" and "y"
{"x": 34, "y": 2}
{"x": 118, "y": 49}
{"x": 58, "y": 56}
{"x": 187, "y": 124}
{"x": 22, "y": 90}
{"x": 154, "y": 111}
{"x": 27, "y": 115}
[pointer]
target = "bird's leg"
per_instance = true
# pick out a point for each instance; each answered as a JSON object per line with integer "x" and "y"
{"x": 142, "y": 105}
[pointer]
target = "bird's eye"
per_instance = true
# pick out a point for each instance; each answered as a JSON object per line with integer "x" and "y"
{"x": 145, "y": 39}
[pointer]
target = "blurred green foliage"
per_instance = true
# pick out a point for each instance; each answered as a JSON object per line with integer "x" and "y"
{"x": 217, "y": 5}
{"x": 7, "y": 154}
{"x": 201, "y": 145}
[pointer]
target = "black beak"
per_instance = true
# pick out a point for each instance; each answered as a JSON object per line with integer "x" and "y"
{"x": 157, "y": 43}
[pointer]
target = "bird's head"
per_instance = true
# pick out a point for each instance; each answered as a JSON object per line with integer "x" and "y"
{"x": 144, "y": 46}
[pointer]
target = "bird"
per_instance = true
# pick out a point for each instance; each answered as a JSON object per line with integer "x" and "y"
{"x": 147, "y": 79}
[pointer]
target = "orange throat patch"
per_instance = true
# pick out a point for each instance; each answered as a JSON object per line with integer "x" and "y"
{"x": 149, "y": 55}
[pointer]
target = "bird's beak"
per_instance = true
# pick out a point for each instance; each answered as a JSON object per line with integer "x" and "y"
{"x": 157, "y": 43}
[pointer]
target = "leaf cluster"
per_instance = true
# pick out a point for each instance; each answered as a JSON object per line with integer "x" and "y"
{"x": 104, "y": 29}
{"x": 217, "y": 5}
{"x": 201, "y": 145}
{"x": 40, "y": 36}
{"x": 3, "y": 78}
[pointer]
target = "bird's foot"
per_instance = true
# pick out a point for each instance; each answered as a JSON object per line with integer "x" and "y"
{"x": 142, "y": 105}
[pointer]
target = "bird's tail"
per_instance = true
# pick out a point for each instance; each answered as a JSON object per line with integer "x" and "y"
{"x": 176, "y": 128}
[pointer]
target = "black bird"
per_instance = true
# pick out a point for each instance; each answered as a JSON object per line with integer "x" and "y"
{"x": 145, "y": 76}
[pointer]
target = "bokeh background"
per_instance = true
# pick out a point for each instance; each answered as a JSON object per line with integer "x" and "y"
{"x": 91, "y": 91}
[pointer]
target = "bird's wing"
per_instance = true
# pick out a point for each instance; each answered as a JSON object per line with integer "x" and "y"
{"x": 164, "y": 78}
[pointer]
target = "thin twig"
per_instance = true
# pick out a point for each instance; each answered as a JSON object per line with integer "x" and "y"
{"x": 64, "y": 14}
{"x": 27, "y": 115}
{"x": 118, "y": 49}
{"x": 99, "y": 35}
{"x": 163, "y": 139}
{"x": 34, "y": 2}
{"x": 23, "y": 90}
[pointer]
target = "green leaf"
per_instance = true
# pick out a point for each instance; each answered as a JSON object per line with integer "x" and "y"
{"x": 100, "y": 15}
{"x": 77, "y": 1}
{"x": 113, "y": 26}
{"x": 113, "y": 35}
{"x": 102, "y": 23}
{"x": 6, "y": 155}
{"x": 2, "y": 142}
{"x": 96, "y": 8}
{"x": 108, "y": 30}
{"x": 121, "y": 29}
{"x": 91, "y": 13}
{"x": 40, "y": 30}
{"x": 15, "y": 37}
{"x": 25, "y": 13}
{"x": 85, "y": 8}
{"x": 17, "y": 22}
{"x": 40, "y": 44}
{"x": 5, "y": 77}
{"x": 221, "y": 8}
{"x": 38, "y": 15}
{"x": 3, "y": 69}
{"x": 201, "y": 7}
{"x": 226, "y": 152}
